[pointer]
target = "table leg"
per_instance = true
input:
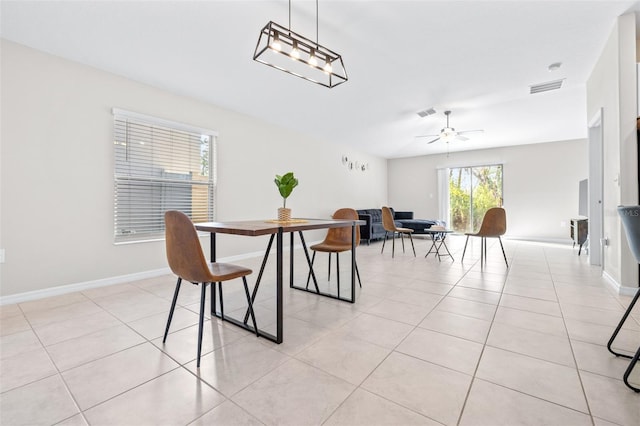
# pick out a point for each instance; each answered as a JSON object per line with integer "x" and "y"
{"x": 279, "y": 286}
{"x": 437, "y": 246}
{"x": 243, "y": 324}
{"x": 291, "y": 259}
{"x": 259, "y": 279}
{"x": 353, "y": 272}
{"x": 212, "y": 245}
{"x": 353, "y": 263}
{"x": 444, "y": 236}
{"x": 309, "y": 262}
{"x": 433, "y": 246}
{"x": 212, "y": 255}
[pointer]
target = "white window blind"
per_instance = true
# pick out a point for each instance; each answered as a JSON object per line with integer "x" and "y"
{"x": 159, "y": 166}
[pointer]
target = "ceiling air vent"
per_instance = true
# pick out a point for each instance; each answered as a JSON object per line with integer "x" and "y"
{"x": 545, "y": 87}
{"x": 426, "y": 112}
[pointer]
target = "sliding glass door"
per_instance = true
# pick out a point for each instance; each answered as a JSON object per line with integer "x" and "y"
{"x": 473, "y": 191}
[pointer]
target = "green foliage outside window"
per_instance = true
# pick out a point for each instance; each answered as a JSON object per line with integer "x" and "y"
{"x": 473, "y": 191}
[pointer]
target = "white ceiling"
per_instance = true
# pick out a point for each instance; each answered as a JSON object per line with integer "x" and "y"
{"x": 476, "y": 58}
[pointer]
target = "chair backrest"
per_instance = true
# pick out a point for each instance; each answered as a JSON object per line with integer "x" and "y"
{"x": 343, "y": 235}
{"x": 387, "y": 219}
{"x": 184, "y": 252}
{"x": 494, "y": 223}
{"x": 630, "y": 216}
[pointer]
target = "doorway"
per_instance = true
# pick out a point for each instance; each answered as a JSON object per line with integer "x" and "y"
{"x": 595, "y": 212}
{"x": 473, "y": 191}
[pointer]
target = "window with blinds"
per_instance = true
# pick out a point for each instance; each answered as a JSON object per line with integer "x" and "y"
{"x": 159, "y": 166}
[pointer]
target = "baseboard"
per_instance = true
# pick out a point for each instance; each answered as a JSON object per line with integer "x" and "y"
{"x": 86, "y": 285}
{"x": 562, "y": 241}
{"x": 619, "y": 289}
{"x": 120, "y": 279}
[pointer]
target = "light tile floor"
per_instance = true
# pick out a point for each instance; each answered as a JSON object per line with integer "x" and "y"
{"x": 428, "y": 342}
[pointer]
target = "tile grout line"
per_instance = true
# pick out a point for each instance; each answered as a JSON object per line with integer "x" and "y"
{"x": 584, "y": 393}
{"x": 359, "y": 386}
{"x": 58, "y": 372}
{"x": 484, "y": 345}
{"x": 391, "y": 351}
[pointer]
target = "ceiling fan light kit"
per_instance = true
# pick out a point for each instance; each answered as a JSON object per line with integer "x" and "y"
{"x": 283, "y": 49}
{"x": 448, "y": 133}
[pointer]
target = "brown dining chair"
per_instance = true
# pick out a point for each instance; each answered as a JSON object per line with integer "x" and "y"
{"x": 390, "y": 227}
{"x": 494, "y": 225}
{"x": 338, "y": 240}
{"x": 187, "y": 261}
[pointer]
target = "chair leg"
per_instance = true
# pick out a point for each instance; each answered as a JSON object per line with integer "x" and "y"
{"x": 384, "y": 242}
{"x": 201, "y": 323}
{"x": 402, "y": 239}
{"x": 329, "y": 270}
{"x": 503, "y": 253}
{"x": 636, "y": 357}
{"x": 173, "y": 306}
{"x": 253, "y": 315}
{"x": 485, "y": 250}
{"x": 213, "y": 300}
{"x": 621, "y": 323}
{"x": 393, "y": 246}
{"x": 358, "y": 274}
{"x": 629, "y": 369}
{"x": 465, "y": 249}
{"x": 412, "y": 246}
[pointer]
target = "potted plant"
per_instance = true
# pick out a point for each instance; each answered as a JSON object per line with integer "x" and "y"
{"x": 285, "y": 184}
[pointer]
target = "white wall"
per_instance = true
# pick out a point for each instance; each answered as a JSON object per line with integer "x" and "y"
{"x": 57, "y": 171}
{"x": 612, "y": 87}
{"x": 540, "y": 185}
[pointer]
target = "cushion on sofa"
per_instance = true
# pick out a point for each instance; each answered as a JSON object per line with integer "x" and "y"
{"x": 418, "y": 225}
{"x": 403, "y": 219}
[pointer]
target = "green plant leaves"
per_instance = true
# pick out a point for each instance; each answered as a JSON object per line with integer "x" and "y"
{"x": 285, "y": 185}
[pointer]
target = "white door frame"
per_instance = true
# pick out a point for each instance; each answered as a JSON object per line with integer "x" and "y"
{"x": 596, "y": 208}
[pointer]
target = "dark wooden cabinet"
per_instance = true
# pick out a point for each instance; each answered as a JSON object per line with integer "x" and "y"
{"x": 579, "y": 232}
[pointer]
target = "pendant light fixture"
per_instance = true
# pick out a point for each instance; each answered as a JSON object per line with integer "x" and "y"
{"x": 283, "y": 49}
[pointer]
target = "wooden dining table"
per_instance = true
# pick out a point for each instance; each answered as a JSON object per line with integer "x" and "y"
{"x": 276, "y": 229}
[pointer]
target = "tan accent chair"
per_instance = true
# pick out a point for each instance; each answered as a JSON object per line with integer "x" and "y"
{"x": 187, "y": 261}
{"x": 494, "y": 225}
{"x": 390, "y": 226}
{"x": 338, "y": 240}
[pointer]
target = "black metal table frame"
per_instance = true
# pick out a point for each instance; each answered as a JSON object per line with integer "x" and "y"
{"x": 278, "y": 338}
{"x": 435, "y": 248}
{"x": 313, "y": 275}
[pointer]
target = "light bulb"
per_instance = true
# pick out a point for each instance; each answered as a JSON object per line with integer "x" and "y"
{"x": 295, "y": 52}
{"x": 448, "y": 134}
{"x": 275, "y": 44}
{"x": 327, "y": 67}
{"x": 312, "y": 58}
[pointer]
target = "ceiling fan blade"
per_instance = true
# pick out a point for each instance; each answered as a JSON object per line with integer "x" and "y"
{"x": 436, "y": 139}
{"x": 427, "y": 136}
{"x": 471, "y": 131}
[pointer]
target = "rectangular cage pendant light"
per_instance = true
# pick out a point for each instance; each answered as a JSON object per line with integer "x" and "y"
{"x": 281, "y": 48}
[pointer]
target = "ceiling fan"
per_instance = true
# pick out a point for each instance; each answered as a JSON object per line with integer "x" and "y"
{"x": 449, "y": 133}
